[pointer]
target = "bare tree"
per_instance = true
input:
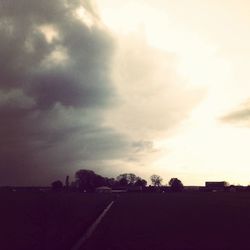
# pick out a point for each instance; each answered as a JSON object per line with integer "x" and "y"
{"x": 156, "y": 180}
{"x": 127, "y": 177}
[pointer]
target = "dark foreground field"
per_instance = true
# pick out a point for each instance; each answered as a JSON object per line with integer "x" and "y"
{"x": 44, "y": 221}
{"x": 175, "y": 221}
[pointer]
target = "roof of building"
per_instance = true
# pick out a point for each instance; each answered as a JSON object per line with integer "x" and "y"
{"x": 104, "y": 188}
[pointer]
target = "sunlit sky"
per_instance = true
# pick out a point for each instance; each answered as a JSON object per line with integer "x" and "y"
{"x": 210, "y": 41}
{"x": 144, "y": 87}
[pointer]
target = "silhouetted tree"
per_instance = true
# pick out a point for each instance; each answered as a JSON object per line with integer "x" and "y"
{"x": 57, "y": 185}
{"x": 141, "y": 182}
{"x": 129, "y": 177}
{"x": 123, "y": 182}
{"x": 156, "y": 180}
{"x": 99, "y": 181}
{"x": 88, "y": 180}
{"x": 176, "y": 185}
{"x": 111, "y": 182}
{"x": 74, "y": 186}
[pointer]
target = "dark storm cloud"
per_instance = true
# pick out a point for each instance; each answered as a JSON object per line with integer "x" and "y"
{"x": 79, "y": 80}
{"x": 59, "y": 85}
{"x": 240, "y": 116}
{"x": 52, "y": 91}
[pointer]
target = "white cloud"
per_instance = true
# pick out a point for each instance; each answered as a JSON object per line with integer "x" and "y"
{"x": 153, "y": 97}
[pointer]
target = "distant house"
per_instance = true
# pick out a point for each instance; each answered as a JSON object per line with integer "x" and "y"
{"x": 120, "y": 190}
{"x": 216, "y": 185}
{"x": 103, "y": 189}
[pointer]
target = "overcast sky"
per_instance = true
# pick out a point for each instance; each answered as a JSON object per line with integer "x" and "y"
{"x": 149, "y": 87}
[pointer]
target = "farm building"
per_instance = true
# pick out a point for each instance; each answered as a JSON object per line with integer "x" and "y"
{"x": 216, "y": 185}
{"x": 103, "y": 189}
{"x": 119, "y": 190}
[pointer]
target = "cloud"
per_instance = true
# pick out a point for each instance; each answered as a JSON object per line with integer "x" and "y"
{"x": 71, "y": 97}
{"x": 54, "y": 85}
{"x": 155, "y": 99}
{"x": 240, "y": 116}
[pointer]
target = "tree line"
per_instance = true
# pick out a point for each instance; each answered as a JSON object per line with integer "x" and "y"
{"x": 87, "y": 181}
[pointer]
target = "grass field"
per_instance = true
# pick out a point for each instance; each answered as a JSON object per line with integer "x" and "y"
{"x": 175, "y": 221}
{"x": 39, "y": 221}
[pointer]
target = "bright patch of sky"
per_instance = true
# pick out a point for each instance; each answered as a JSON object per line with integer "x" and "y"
{"x": 211, "y": 43}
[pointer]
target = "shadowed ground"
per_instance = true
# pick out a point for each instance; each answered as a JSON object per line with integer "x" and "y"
{"x": 42, "y": 221}
{"x": 175, "y": 221}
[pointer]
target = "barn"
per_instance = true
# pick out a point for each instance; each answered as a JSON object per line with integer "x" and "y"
{"x": 216, "y": 185}
{"x": 103, "y": 189}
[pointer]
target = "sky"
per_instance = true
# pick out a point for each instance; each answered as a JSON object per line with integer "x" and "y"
{"x": 148, "y": 87}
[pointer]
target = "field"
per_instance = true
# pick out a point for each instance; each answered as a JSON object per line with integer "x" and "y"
{"x": 175, "y": 221}
{"x": 41, "y": 221}
{"x": 44, "y": 221}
